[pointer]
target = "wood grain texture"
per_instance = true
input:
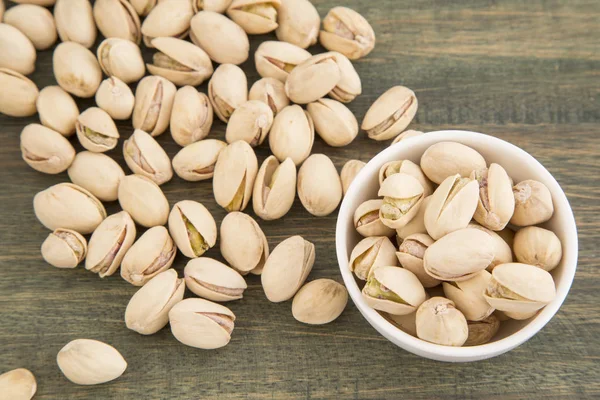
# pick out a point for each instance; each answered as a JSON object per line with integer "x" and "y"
{"x": 527, "y": 72}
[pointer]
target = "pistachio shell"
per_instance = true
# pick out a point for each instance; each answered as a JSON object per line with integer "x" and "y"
{"x": 224, "y": 41}
{"x": 227, "y": 90}
{"x": 417, "y": 224}
{"x": 243, "y": 243}
{"x": 367, "y": 221}
{"x": 410, "y": 255}
{"x": 502, "y": 251}
{"x": 496, "y": 201}
{"x": 520, "y": 316}
{"x": 18, "y": 95}
{"x": 349, "y": 85}
{"x": 64, "y": 248}
{"x": 192, "y": 227}
{"x": 121, "y": 58}
{"x": 348, "y": 32}
{"x": 16, "y": 50}
{"x": 394, "y": 290}
{"x": 256, "y": 17}
{"x": 250, "y": 122}
{"x": 402, "y": 197}
{"x": 349, "y": 171}
{"x": 276, "y": 60}
{"x": 117, "y": 19}
{"x": 481, "y": 332}
{"x": 213, "y": 280}
{"x": 96, "y": 130}
{"x": 319, "y": 302}
{"x": 98, "y": 173}
{"x": 144, "y": 156}
{"x": 406, "y": 135}
{"x": 75, "y": 22}
{"x": 180, "y": 62}
{"x": 391, "y": 113}
{"x": 116, "y": 98}
{"x": 45, "y": 150}
{"x": 438, "y": 321}
{"x": 334, "y": 122}
{"x": 468, "y": 296}
{"x": 235, "y": 172}
{"x": 18, "y": 384}
{"x": 292, "y": 134}
{"x": 406, "y": 167}
{"x": 539, "y": 247}
{"x": 274, "y": 188}
{"x": 372, "y": 252}
{"x": 57, "y": 109}
{"x": 168, "y": 18}
{"x": 90, "y": 362}
{"x": 319, "y": 185}
{"x": 76, "y": 69}
{"x": 143, "y": 200}
{"x": 191, "y": 117}
{"x": 271, "y": 92}
{"x": 533, "y": 203}
{"x": 36, "y": 22}
{"x": 154, "y": 99}
{"x": 445, "y": 159}
{"x": 196, "y": 162}
{"x": 150, "y": 255}
{"x": 313, "y": 79}
{"x": 298, "y": 23}
{"x": 219, "y": 6}
{"x": 143, "y": 7}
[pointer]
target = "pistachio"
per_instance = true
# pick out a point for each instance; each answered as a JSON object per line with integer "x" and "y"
{"x": 481, "y": 332}
{"x": 146, "y": 157}
{"x": 64, "y": 248}
{"x": 98, "y": 173}
{"x": 243, "y": 243}
{"x": 180, "y": 62}
{"x": 372, "y": 252}
{"x": 394, "y": 290}
{"x": 391, "y": 113}
{"x": 201, "y": 323}
{"x": 235, "y": 172}
{"x": 18, "y": 384}
{"x": 502, "y": 251}
{"x": 16, "y": 50}
{"x": 45, "y": 150}
{"x": 36, "y": 22}
{"x": 319, "y": 185}
{"x": 255, "y": 16}
{"x": 349, "y": 171}
{"x": 533, "y": 203}
{"x": 150, "y": 255}
{"x": 90, "y": 362}
{"x": 276, "y": 60}
{"x": 116, "y": 98}
{"x": 219, "y": 6}
{"x": 76, "y": 69}
{"x": 154, "y": 99}
{"x": 538, "y": 246}
{"x": 274, "y": 188}
{"x": 168, "y": 18}
{"x": 213, "y": 280}
{"x": 520, "y": 316}
{"x": 410, "y": 255}
{"x": 438, "y": 321}
{"x": 415, "y": 225}
{"x": 75, "y": 22}
{"x": 292, "y": 134}
{"x": 57, "y": 109}
{"x": 313, "y": 79}
{"x": 406, "y": 167}
{"x": 250, "y": 122}
{"x": 143, "y": 7}
{"x": 349, "y": 85}
{"x": 121, "y": 58}
{"x": 18, "y": 95}
{"x": 68, "y": 206}
{"x": 299, "y": 23}
{"x": 367, "y": 221}
{"x": 223, "y": 40}
{"x": 319, "y": 302}
{"x": 348, "y": 32}
{"x": 402, "y": 197}
{"x": 227, "y": 90}
{"x": 334, "y": 122}
{"x": 445, "y": 159}
{"x": 143, "y": 200}
{"x": 468, "y": 296}
{"x": 117, "y": 19}
{"x": 148, "y": 310}
{"x": 196, "y": 162}
{"x": 192, "y": 227}
{"x": 96, "y": 130}
{"x": 406, "y": 323}
{"x": 406, "y": 135}
{"x": 271, "y": 92}
{"x": 191, "y": 116}
{"x": 496, "y": 201}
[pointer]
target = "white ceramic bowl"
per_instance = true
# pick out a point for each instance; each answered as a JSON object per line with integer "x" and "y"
{"x": 520, "y": 166}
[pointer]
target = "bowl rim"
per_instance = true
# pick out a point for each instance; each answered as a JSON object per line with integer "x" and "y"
{"x": 431, "y": 350}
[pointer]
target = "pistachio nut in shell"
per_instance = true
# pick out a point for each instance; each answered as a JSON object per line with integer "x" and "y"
{"x": 391, "y": 113}
{"x": 415, "y": 225}
{"x": 118, "y": 19}
{"x": 68, "y": 206}
{"x": 496, "y": 201}
{"x": 201, "y": 323}
{"x": 502, "y": 252}
{"x": 96, "y": 130}
{"x": 287, "y": 268}
{"x": 36, "y": 22}
{"x": 349, "y": 171}
{"x": 372, "y": 252}
{"x": 348, "y": 32}
{"x": 46, "y": 150}
{"x": 481, "y": 332}
{"x": 243, "y": 243}
{"x": 406, "y": 323}
{"x": 18, "y": 95}
{"x": 468, "y": 296}
{"x": 227, "y": 90}
{"x": 121, "y": 58}
{"x": 168, "y": 18}
{"x": 143, "y": 7}
{"x": 235, "y": 172}
{"x": 313, "y": 79}
{"x": 349, "y": 86}
{"x": 299, "y": 23}
{"x": 90, "y": 362}
{"x": 64, "y": 248}
{"x": 154, "y": 97}
{"x": 292, "y": 134}
{"x": 148, "y": 310}
{"x": 180, "y": 62}
{"x": 18, "y": 384}
{"x": 410, "y": 255}
{"x": 150, "y": 255}
{"x": 57, "y": 110}
{"x": 367, "y": 221}
{"x": 538, "y": 246}
{"x": 192, "y": 227}
{"x": 196, "y": 162}
{"x": 406, "y": 135}
{"x": 333, "y": 121}
{"x": 394, "y": 290}
{"x": 445, "y": 159}
{"x": 402, "y": 197}
{"x": 75, "y": 22}
{"x": 533, "y": 203}
{"x": 97, "y": 173}
{"x": 16, "y": 50}
{"x": 76, "y": 69}
{"x": 250, "y": 122}
{"x": 223, "y": 40}
{"x": 142, "y": 198}
{"x": 116, "y": 98}
{"x": 191, "y": 117}
{"x": 406, "y": 167}
{"x": 319, "y": 185}
{"x": 439, "y": 321}
{"x": 319, "y": 302}
{"x": 459, "y": 255}
{"x": 214, "y": 280}
{"x": 256, "y": 17}
{"x": 276, "y": 60}
{"x": 274, "y": 188}
{"x": 219, "y": 6}
{"x": 144, "y": 156}
{"x": 271, "y": 92}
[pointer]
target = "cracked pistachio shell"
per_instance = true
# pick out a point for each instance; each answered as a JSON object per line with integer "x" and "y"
{"x": 481, "y": 332}
{"x": 445, "y": 159}
{"x": 168, "y": 18}
{"x": 367, "y": 221}
{"x": 256, "y": 17}
{"x": 96, "y": 130}
{"x": 394, "y": 290}
{"x": 406, "y": 135}
{"x": 36, "y": 22}
{"x": 452, "y": 206}
{"x": 349, "y": 171}
{"x": 319, "y": 302}
{"x": 299, "y": 23}
{"x": 18, "y": 384}
{"x": 319, "y": 185}
{"x": 333, "y": 121}
{"x": 143, "y": 7}
{"x": 219, "y": 6}
{"x": 274, "y": 188}
{"x": 121, "y": 58}
{"x": 502, "y": 251}
{"x": 57, "y": 109}
{"x": 214, "y": 280}
{"x": 144, "y": 156}
{"x": 116, "y": 98}
{"x": 276, "y": 60}
{"x": 439, "y": 321}
{"x": 372, "y": 252}
{"x": 46, "y": 150}
{"x": 313, "y": 79}
{"x": 468, "y": 296}
{"x": 68, "y": 206}
{"x": 150, "y": 255}
{"x": 227, "y": 90}
{"x": 348, "y": 32}
{"x": 243, "y": 243}
{"x": 271, "y": 92}
{"x": 250, "y": 122}
{"x": 191, "y": 117}
{"x": 349, "y": 85}
{"x": 538, "y": 246}
{"x": 410, "y": 255}
{"x": 533, "y": 203}
{"x": 18, "y": 95}
{"x": 292, "y": 134}
{"x": 406, "y": 167}
{"x": 459, "y": 255}
{"x": 496, "y": 201}
{"x": 287, "y": 268}
{"x": 143, "y": 200}
{"x": 391, "y": 113}
{"x": 235, "y": 172}
{"x": 196, "y": 162}
{"x": 76, "y": 69}
{"x": 97, "y": 173}
{"x": 192, "y": 227}
{"x": 415, "y": 225}
{"x": 16, "y": 50}
{"x": 223, "y": 40}
{"x": 75, "y": 22}
{"x": 180, "y": 62}
{"x": 154, "y": 99}
{"x": 148, "y": 310}
{"x": 402, "y": 198}
{"x": 406, "y": 323}
{"x": 90, "y": 362}
{"x": 117, "y": 19}
{"x": 64, "y": 248}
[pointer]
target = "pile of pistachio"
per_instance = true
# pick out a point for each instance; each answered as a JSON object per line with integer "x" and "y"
{"x": 459, "y": 268}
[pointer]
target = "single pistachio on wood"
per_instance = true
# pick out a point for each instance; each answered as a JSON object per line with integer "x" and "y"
{"x": 18, "y": 384}
{"x": 533, "y": 203}
{"x": 96, "y": 130}
{"x": 214, "y": 280}
{"x": 319, "y": 185}
{"x": 192, "y": 227}
{"x": 76, "y": 69}
{"x": 299, "y": 23}
{"x": 227, "y": 90}
{"x": 256, "y": 17}
{"x": 271, "y": 92}
{"x": 143, "y": 199}
{"x": 406, "y": 135}
{"x": 292, "y": 134}
{"x": 276, "y": 60}
{"x": 367, "y": 221}
{"x": 235, "y": 172}
{"x": 117, "y": 19}
{"x": 64, "y": 248}
{"x": 146, "y": 157}
{"x": 16, "y": 50}
{"x": 121, "y": 58}
{"x": 333, "y": 121}
{"x": 143, "y": 7}
{"x": 154, "y": 99}
{"x": 406, "y": 323}
{"x": 481, "y": 332}
{"x": 36, "y": 22}
{"x": 415, "y": 225}
{"x": 438, "y": 321}
{"x": 90, "y": 362}
{"x": 274, "y": 188}
{"x": 394, "y": 290}
{"x": 468, "y": 296}
{"x": 116, "y": 98}
{"x": 68, "y": 206}
{"x": 406, "y": 167}
{"x": 496, "y": 201}
{"x": 46, "y": 150}
{"x": 18, "y": 95}
{"x": 148, "y": 310}
{"x": 372, "y": 252}
{"x": 169, "y": 18}
{"x": 349, "y": 171}
{"x": 191, "y": 116}
{"x": 348, "y": 32}
{"x": 223, "y": 40}
{"x": 57, "y": 110}
{"x": 402, "y": 197}
{"x": 502, "y": 251}
{"x": 319, "y": 302}
{"x": 75, "y": 22}
{"x": 219, "y": 6}
{"x": 196, "y": 162}
{"x": 180, "y": 62}
{"x": 250, "y": 122}
{"x": 313, "y": 79}
{"x": 445, "y": 159}
{"x": 349, "y": 85}
{"x": 538, "y": 246}
{"x": 391, "y": 113}
{"x": 410, "y": 255}
{"x": 150, "y": 255}
{"x": 243, "y": 243}
{"x": 97, "y": 173}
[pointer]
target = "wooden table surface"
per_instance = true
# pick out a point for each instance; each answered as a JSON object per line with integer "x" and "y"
{"x": 527, "y": 72}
